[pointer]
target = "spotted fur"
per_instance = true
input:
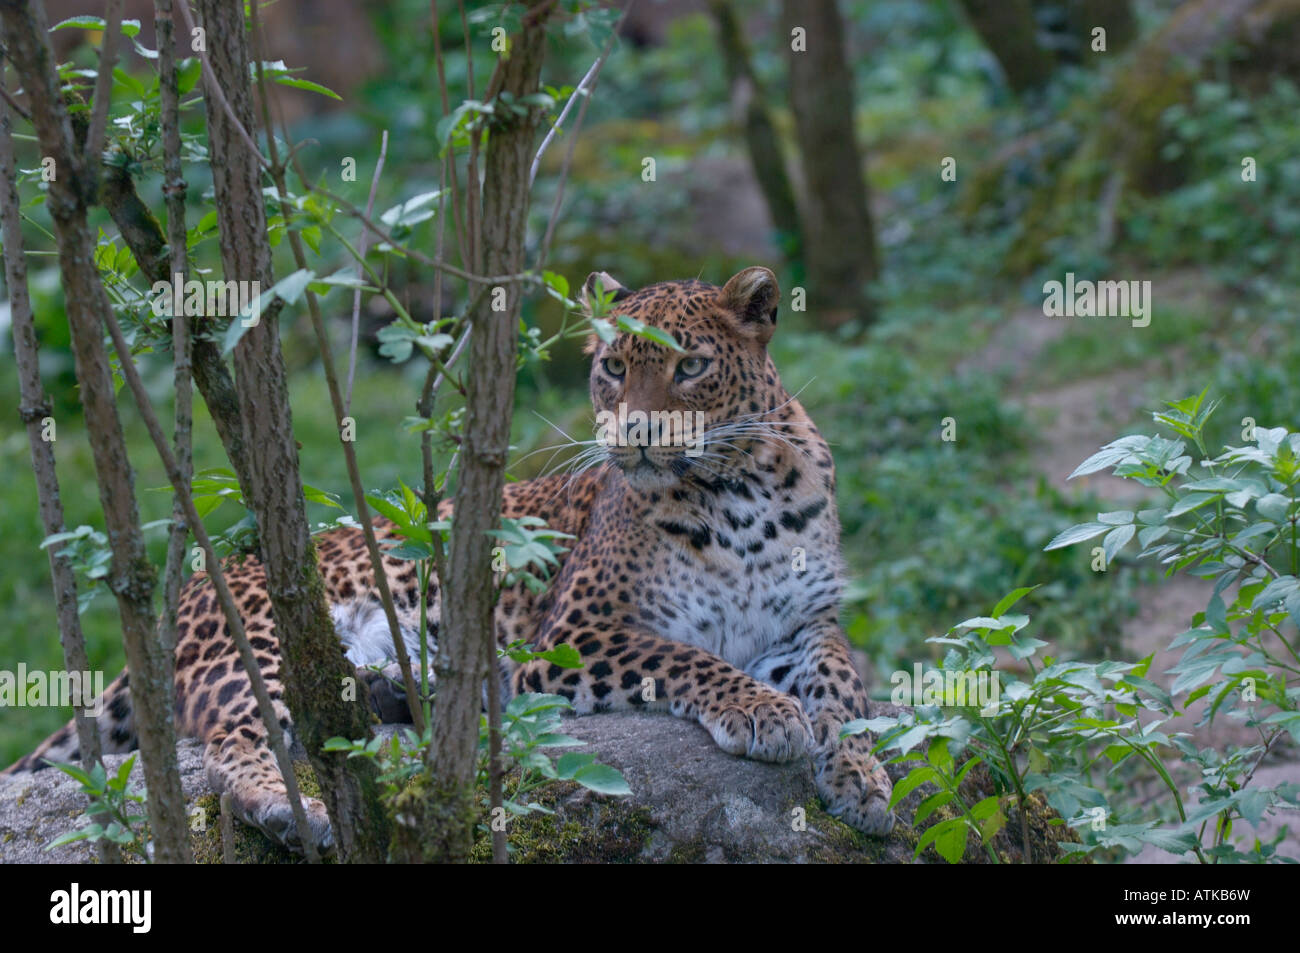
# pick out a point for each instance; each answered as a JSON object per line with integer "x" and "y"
{"x": 704, "y": 585}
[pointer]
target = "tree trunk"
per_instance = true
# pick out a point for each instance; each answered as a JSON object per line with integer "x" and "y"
{"x": 440, "y": 821}
{"x": 1009, "y": 30}
{"x": 132, "y": 576}
{"x": 761, "y": 139}
{"x": 314, "y": 666}
{"x": 839, "y": 239}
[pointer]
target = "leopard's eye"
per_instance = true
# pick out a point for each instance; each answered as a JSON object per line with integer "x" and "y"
{"x": 691, "y": 367}
{"x": 615, "y": 366}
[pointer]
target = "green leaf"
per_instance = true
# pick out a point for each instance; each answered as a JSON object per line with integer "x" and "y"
{"x": 1272, "y": 507}
{"x": 980, "y": 622}
{"x": 948, "y": 837}
{"x": 313, "y": 495}
{"x": 642, "y": 330}
{"x": 90, "y": 831}
{"x": 1116, "y": 539}
{"x": 1278, "y": 590}
{"x": 938, "y": 755}
{"x": 1216, "y": 614}
{"x": 1215, "y": 484}
{"x": 80, "y": 23}
{"x": 132, "y": 84}
{"x": 308, "y": 85}
{"x": 411, "y": 212}
{"x": 564, "y": 655}
{"x": 1010, "y": 599}
{"x": 236, "y": 330}
{"x": 556, "y": 282}
{"x": 855, "y": 727}
{"x": 1077, "y": 534}
{"x": 915, "y": 778}
{"x": 1116, "y": 517}
{"x": 124, "y": 771}
{"x": 74, "y": 772}
{"x": 188, "y": 73}
{"x": 343, "y": 278}
{"x": 1151, "y": 534}
{"x": 602, "y": 779}
{"x": 290, "y": 288}
{"x": 1110, "y": 455}
{"x": 1190, "y": 502}
{"x": 930, "y": 805}
{"x": 1175, "y": 842}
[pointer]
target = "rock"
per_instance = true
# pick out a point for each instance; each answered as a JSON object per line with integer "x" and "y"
{"x": 690, "y": 803}
{"x": 37, "y": 808}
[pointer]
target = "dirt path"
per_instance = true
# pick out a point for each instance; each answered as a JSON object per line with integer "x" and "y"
{"x": 1074, "y": 420}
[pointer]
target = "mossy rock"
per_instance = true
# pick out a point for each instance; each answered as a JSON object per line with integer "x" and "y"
{"x": 691, "y": 803}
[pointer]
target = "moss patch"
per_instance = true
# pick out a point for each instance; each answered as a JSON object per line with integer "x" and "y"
{"x": 608, "y": 830}
{"x": 841, "y": 844}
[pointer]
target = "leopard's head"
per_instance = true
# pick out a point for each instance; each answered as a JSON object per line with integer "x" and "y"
{"x": 667, "y": 415}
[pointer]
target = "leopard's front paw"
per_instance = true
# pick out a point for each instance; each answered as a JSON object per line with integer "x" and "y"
{"x": 855, "y": 787}
{"x": 769, "y": 727}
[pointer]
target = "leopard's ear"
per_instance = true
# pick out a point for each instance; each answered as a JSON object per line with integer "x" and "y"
{"x": 606, "y": 283}
{"x": 753, "y": 296}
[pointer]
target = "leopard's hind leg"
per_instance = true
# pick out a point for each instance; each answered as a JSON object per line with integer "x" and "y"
{"x": 239, "y": 761}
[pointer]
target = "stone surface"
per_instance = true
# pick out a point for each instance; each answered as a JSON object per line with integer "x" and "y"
{"x": 690, "y": 803}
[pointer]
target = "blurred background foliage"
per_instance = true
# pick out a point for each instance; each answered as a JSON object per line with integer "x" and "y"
{"x": 1124, "y": 164}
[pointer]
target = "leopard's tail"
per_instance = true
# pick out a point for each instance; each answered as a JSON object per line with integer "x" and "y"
{"x": 116, "y": 732}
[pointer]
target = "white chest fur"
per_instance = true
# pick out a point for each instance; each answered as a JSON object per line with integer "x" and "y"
{"x": 738, "y": 604}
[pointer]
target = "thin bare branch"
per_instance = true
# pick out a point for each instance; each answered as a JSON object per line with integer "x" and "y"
{"x": 589, "y": 84}
{"x": 356, "y": 295}
{"x": 13, "y": 103}
{"x": 449, "y": 160}
{"x": 174, "y": 193}
{"x": 411, "y": 253}
{"x": 94, "y": 145}
{"x": 585, "y": 87}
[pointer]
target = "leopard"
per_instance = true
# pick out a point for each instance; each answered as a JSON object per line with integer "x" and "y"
{"x": 703, "y": 576}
